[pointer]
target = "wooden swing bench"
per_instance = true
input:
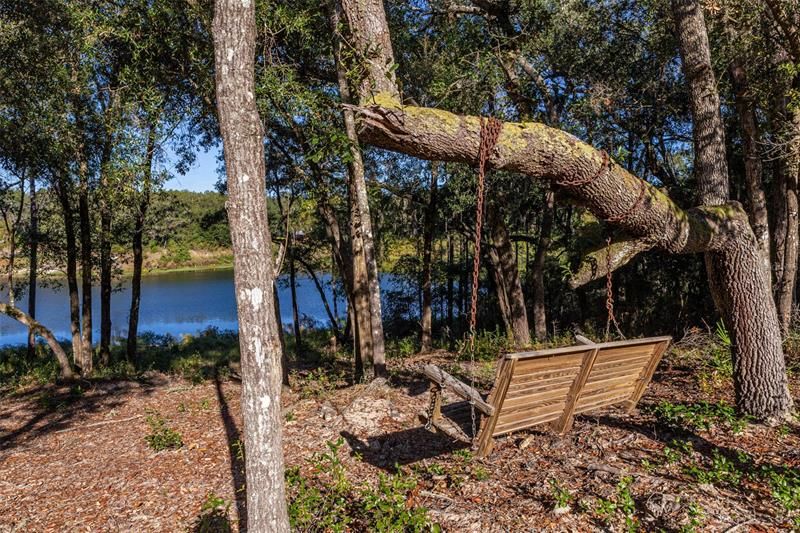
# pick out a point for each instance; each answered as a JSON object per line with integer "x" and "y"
{"x": 533, "y": 388}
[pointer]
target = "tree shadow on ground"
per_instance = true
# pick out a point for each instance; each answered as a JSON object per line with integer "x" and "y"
{"x": 54, "y": 408}
{"x": 236, "y": 452}
{"x": 402, "y": 448}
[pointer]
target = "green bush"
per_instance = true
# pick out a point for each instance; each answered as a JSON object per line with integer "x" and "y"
{"x": 161, "y": 436}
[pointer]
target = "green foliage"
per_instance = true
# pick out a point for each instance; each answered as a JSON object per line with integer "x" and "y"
{"x": 561, "y": 494}
{"x": 328, "y": 501}
{"x": 488, "y": 345}
{"x": 161, "y": 436}
{"x": 621, "y": 503}
{"x": 214, "y": 516}
{"x": 721, "y": 470}
{"x": 700, "y": 416}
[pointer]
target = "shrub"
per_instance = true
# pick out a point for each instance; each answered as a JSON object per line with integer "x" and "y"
{"x": 161, "y": 436}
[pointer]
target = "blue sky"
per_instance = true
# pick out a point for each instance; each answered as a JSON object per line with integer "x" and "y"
{"x": 202, "y": 176}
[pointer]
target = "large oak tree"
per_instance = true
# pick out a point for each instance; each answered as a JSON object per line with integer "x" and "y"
{"x": 647, "y": 216}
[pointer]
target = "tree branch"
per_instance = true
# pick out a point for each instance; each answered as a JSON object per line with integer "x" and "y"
{"x": 595, "y": 264}
{"x": 38, "y": 329}
{"x": 535, "y": 150}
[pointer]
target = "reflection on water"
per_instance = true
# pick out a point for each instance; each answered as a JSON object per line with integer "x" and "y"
{"x": 174, "y": 303}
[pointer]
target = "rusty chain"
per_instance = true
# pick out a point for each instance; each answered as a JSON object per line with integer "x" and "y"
{"x": 490, "y": 132}
{"x": 612, "y": 319}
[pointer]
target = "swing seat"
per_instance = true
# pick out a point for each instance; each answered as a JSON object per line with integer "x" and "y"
{"x": 533, "y": 388}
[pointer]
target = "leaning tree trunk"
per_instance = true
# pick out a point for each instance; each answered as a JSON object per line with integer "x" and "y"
{"x": 356, "y": 167}
{"x": 137, "y": 245}
{"x": 234, "y": 35}
{"x": 38, "y": 329}
{"x": 647, "y": 216}
{"x": 105, "y": 259}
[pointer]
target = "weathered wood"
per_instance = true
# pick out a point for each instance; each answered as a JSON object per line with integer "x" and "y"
{"x": 647, "y": 375}
{"x": 444, "y": 379}
{"x": 534, "y": 388}
{"x": 583, "y": 340}
{"x": 497, "y": 397}
{"x": 564, "y": 423}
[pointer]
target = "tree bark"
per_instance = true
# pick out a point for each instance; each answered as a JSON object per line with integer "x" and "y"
{"x": 737, "y": 279}
{"x": 38, "y": 329}
{"x": 785, "y": 233}
{"x": 359, "y": 187}
{"x": 751, "y": 139}
{"x": 33, "y": 267}
{"x": 72, "y": 271}
{"x": 85, "y": 227}
{"x": 105, "y": 257}
{"x": 137, "y": 245}
{"x": 507, "y": 274}
{"x": 537, "y": 268}
{"x": 426, "y": 322}
{"x": 234, "y": 36}
{"x": 295, "y": 311}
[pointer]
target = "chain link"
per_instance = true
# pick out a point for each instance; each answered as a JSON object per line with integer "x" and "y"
{"x": 490, "y": 132}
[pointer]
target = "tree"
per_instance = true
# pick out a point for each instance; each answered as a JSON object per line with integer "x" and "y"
{"x": 234, "y": 32}
{"x": 649, "y": 217}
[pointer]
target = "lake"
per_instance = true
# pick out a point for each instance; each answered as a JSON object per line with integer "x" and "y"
{"x": 172, "y": 303}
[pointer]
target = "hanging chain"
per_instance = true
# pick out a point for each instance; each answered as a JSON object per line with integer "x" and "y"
{"x": 490, "y": 132}
{"x": 612, "y": 319}
{"x": 610, "y": 294}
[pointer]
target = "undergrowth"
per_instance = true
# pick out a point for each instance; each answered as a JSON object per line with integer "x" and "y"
{"x": 161, "y": 436}
{"x": 327, "y": 500}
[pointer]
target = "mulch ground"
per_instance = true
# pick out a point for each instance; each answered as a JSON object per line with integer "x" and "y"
{"x": 74, "y": 458}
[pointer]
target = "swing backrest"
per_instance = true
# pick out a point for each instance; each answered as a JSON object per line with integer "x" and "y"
{"x": 554, "y": 385}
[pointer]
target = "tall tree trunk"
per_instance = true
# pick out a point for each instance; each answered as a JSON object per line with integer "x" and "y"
{"x": 537, "y": 268}
{"x": 361, "y": 207}
{"x": 505, "y": 266}
{"x": 137, "y": 244}
{"x": 33, "y": 266}
{"x": 426, "y": 344}
{"x": 72, "y": 272}
{"x": 450, "y": 282}
{"x": 295, "y": 311}
{"x": 85, "y": 226}
{"x": 105, "y": 257}
{"x": 234, "y": 35}
{"x": 786, "y": 226}
{"x": 362, "y": 322}
{"x": 738, "y": 281}
{"x": 751, "y": 138}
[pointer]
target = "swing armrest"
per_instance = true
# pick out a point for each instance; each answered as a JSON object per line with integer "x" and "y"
{"x": 436, "y": 374}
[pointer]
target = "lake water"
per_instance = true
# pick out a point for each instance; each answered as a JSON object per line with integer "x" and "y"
{"x": 175, "y": 303}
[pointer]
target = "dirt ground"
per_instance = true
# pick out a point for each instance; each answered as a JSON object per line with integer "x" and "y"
{"x": 74, "y": 458}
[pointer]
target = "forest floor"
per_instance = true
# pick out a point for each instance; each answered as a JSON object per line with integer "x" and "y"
{"x": 75, "y": 457}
